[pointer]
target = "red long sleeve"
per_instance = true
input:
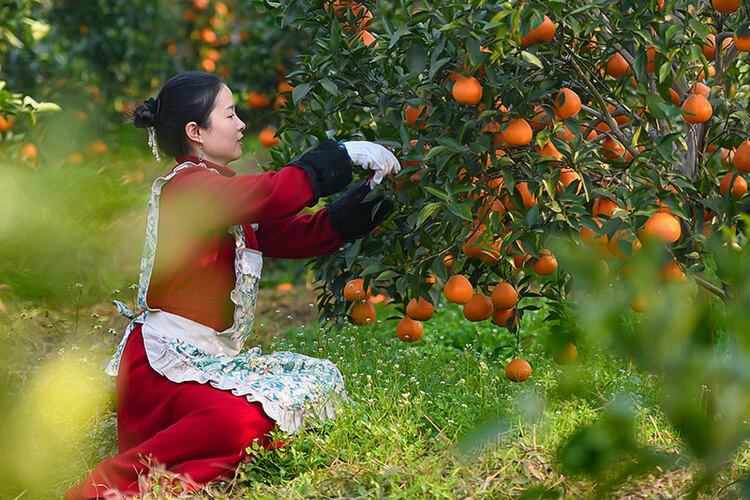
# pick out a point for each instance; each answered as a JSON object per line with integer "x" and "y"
{"x": 211, "y": 199}
{"x": 194, "y": 264}
{"x": 298, "y": 237}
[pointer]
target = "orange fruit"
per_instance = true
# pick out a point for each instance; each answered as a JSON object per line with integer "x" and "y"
{"x": 267, "y": 137}
{"x": 604, "y": 206}
{"x": 696, "y": 109}
{"x": 617, "y": 66}
{"x": 362, "y": 313}
{"x": 500, "y": 317}
{"x": 631, "y": 245}
{"x": 700, "y": 88}
{"x": 612, "y": 149}
{"x": 725, "y": 6}
{"x": 208, "y": 65}
{"x": 479, "y": 308}
{"x": 98, "y": 147}
{"x": 208, "y": 36}
{"x": 541, "y": 34}
{"x": 546, "y": 263}
{"x": 709, "y": 49}
{"x": 671, "y": 272}
{"x": 742, "y": 43}
{"x": 448, "y": 260}
{"x": 256, "y": 100}
{"x": 409, "y": 330}
{"x": 549, "y": 149}
{"x": 567, "y": 177}
{"x": 567, "y": 104}
{"x": 28, "y": 151}
{"x": 284, "y": 287}
{"x": 739, "y": 187}
{"x": 354, "y": 290}
{"x": 566, "y": 355}
{"x": 412, "y": 114}
{"x": 589, "y": 236}
{"x": 662, "y": 226}
{"x": 518, "y": 370}
{"x": 518, "y": 132}
{"x": 504, "y": 296}
{"x": 742, "y": 157}
{"x": 420, "y": 310}
{"x": 467, "y": 90}
{"x": 542, "y": 119}
{"x": 488, "y": 253}
{"x": 458, "y": 289}
{"x": 366, "y": 37}
{"x": 620, "y": 118}
{"x": 650, "y": 58}
{"x": 6, "y": 123}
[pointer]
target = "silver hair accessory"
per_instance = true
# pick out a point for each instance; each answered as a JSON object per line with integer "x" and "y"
{"x": 152, "y": 143}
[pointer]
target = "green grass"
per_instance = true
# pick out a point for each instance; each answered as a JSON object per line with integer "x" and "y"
{"x": 434, "y": 419}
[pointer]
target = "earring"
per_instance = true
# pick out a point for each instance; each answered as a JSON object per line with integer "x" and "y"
{"x": 200, "y": 154}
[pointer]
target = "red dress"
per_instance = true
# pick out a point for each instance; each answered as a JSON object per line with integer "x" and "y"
{"x": 192, "y": 429}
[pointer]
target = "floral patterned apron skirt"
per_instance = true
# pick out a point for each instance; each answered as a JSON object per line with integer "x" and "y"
{"x": 294, "y": 390}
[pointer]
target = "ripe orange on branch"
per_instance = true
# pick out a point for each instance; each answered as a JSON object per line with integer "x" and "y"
{"x": 541, "y": 34}
{"x": 256, "y": 100}
{"x": 696, "y": 109}
{"x": 725, "y": 6}
{"x": 362, "y": 313}
{"x": 546, "y": 264}
{"x": 28, "y": 151}
{"x": 501, "y": 317}
{"x": 617, "y": 66}
{"x": 504, "y": 296}
{"x": 458, "y": 289}
{"x": 420, "y": 310}
{"x": 566, "y": 355}
{"x": 741, "y": 158}
{"x": 741, "y": 43}
{"x": 267, "y": 137}
{"x": 518, "y": 132}
{"x": 739, "y": 186}
{"x": 518, "y": 370}
{"x": 662, "y": 226}
{"x": 567, "y": 104}
{"x": 479, "y": 308}
{"x": 467, "y": 90}
{"x": 6, "y": 123}
{"x": 412, "y": 115}
{"x": 354, "y": 290}
{"x": 409, "y": 330}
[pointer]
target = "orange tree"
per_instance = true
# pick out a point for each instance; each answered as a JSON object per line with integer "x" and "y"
{"x": 611, "y": 128}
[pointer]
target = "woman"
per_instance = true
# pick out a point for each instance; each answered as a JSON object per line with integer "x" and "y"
{"x": 189, "y": 399}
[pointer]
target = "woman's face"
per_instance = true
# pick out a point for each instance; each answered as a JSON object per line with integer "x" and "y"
{"x": 221, "y": 140}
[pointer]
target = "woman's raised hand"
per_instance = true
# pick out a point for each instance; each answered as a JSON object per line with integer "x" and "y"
{"x": 374, "y": 157}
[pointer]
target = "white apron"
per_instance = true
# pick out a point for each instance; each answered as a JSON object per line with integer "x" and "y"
{"x": 293, "y": 389}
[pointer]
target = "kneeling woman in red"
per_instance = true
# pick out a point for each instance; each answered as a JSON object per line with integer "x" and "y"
{"x": 189, "y": 397}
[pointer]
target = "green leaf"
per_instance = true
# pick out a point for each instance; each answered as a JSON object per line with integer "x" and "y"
{"x": 461, "y": 210}
{"x": 416, "y": 59}
{"x": 330, "y": 87}
{"x": 532, "y": 59}
{"x": 426, "y": 211}
{"x": 300, "y": 91}
{"x": 437, "y": 192}
{"x": 352, "y": 252}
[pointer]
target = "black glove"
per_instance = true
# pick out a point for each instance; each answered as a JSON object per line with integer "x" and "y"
{"x": 329, "y": 168}
{"x": 352, "y": 217}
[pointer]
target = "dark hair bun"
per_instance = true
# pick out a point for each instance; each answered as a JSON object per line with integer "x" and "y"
{"x": 146, "y": 114}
